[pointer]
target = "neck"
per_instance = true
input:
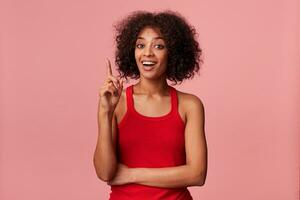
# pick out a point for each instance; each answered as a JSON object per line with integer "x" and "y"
{"x": 152, "y": 87}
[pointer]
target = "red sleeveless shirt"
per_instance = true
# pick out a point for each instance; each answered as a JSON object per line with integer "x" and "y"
{"x": 150, "y": 142}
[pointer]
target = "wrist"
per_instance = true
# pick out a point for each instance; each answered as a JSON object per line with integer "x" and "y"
{"x": 106, "y": 113}
{"x": 133, "y": 175}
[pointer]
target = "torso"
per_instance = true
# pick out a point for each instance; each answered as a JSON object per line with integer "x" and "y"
{"x": 155, "y": 141}
{"x": 143, "y": 105}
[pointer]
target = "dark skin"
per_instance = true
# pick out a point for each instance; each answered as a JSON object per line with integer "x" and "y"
{"x": 152, "y": 92}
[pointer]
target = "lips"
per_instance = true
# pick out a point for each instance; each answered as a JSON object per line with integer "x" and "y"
{"x": 148, "y": 68}
{"x": 148, "y": 65}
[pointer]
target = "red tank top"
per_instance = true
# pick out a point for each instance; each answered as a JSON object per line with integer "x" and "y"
{"x": 150, "y": 142}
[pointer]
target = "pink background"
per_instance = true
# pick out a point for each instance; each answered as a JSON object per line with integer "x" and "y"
{"x": 52, "y": 57}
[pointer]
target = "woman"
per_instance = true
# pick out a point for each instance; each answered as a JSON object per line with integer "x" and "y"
{"x": 151, "y": 140}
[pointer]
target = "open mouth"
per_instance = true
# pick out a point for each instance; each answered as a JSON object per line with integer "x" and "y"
{"x": 148, "y": 63}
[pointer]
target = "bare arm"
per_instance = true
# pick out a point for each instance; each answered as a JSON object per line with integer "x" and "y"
{"x": 191, "y": 174}
{"x": 105, "y": 160}
{"x": 167, "y": 177}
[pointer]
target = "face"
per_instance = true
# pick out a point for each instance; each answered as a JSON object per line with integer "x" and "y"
{"x": 151, "y": 53}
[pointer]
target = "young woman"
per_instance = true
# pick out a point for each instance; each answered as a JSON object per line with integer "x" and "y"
{"x": 151, "y": 140}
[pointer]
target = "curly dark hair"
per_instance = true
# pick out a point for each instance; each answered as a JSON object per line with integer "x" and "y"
{"x": 180, "y": 38}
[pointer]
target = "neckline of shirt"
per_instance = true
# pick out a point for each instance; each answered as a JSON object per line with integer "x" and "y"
{"x": 153, "y": 118}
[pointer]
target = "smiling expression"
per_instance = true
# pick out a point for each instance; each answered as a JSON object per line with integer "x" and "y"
{"x": 151, "y": 53}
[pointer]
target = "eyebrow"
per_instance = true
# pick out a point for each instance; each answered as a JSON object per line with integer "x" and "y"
{"x": 154, "y": 38}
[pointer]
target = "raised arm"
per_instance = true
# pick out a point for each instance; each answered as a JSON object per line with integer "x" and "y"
{"x": 105, "y": 161}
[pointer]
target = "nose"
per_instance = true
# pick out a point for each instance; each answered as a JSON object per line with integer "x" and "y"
{"x": 148, "y": 51}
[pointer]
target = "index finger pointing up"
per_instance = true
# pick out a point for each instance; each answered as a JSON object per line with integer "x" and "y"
{"x": 109, "y": 71}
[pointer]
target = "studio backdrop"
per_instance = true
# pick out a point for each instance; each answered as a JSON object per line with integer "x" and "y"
{"x": 53, "y": 62}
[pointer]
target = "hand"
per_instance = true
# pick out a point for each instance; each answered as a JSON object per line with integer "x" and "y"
{"x": 110, "y": 92}
{"x": 123, "y": 176}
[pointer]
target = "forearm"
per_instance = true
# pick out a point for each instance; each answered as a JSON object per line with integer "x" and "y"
{"x": 105, "y": 161}
{"x": 167, "y": 177}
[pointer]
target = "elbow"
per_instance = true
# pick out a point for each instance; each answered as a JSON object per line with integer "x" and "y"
{"x": 199, "y": 180}
{"x": 106, "y": 177}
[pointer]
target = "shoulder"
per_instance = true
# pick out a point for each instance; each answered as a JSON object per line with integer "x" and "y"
{"x": 190, "y": 102}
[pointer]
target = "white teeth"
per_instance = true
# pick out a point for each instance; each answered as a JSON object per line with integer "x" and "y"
{"x": 148, "y": 62}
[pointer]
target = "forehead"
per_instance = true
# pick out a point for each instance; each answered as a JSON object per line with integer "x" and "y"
{"x": 150, "y": 32}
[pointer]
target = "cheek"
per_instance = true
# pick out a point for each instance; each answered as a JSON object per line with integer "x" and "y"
{"x": 138, "y": 52}
{"x": 164, "y": 57}
{"x": 136, "y": 55}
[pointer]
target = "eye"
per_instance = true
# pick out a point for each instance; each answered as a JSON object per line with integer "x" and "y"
{"x": 159, "y": 46}
{"x": 139, "y": 46}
